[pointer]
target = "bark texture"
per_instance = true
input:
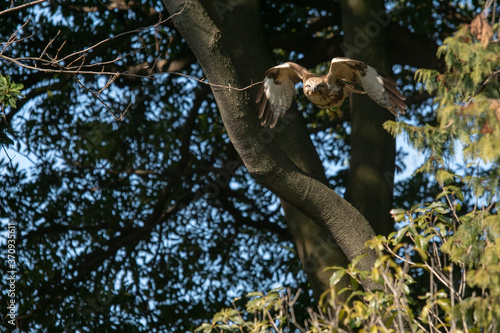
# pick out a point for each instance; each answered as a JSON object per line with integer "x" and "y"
{"x": 371, "y": 170}
{"x": 284, "y": 159}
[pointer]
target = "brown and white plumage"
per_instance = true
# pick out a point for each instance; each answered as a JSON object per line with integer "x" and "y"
{"x": 325, "y": 91}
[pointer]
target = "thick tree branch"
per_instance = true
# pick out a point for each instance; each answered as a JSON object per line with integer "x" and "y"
{"x": 405, "y": 47}
{"x": 265, "y": 161}
{"x": 408, "y": 48}
{"x": 29, "y": 4}
{"x": 129, "y": 237}
{"x": 327, "y": 124}
{"x": 241, "y": 221}
{"x": 188, "y": 129}
{"x": 330, "y": 6}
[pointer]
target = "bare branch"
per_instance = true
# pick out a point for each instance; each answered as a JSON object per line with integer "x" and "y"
{"x": 50, "y": 43}
{"x": 29, "y": 4}
{"x": 217, "y": 85}
{"x": 13, "y": 37}
{"x": 75, "y": 63}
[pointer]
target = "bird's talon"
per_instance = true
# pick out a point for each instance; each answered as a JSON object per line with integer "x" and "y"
{"x": 335, "y": 113}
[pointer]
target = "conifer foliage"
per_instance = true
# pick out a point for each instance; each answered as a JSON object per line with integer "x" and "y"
{"x": 134, "y": 212}
{"x": 440, "y": 271}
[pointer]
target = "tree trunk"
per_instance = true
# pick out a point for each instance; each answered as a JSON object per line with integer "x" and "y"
{"x": 228, "y": 57}
{"x": 315, "y": 246}
{"x": 371, "y": 171}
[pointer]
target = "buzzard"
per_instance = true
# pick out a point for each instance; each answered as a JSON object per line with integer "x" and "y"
{"x": 325, "y": 91}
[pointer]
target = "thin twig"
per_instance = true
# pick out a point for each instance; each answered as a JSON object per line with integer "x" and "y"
{"x": 127, "y": 33}
{"x": 13, "y": 37}
{"x": 81, "y": 67}
{"x": 481, "y": 87}
{"x": 214, "y": 84}
{"x": 22, "y": 6}
{"x": 48, "y": 44}
{"x": 8, "y": 156}
{"x": 102, "y": 101}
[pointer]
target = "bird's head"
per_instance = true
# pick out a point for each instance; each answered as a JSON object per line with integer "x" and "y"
{"x": 314, "y": 86}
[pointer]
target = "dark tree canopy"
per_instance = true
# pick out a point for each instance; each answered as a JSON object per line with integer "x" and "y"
{"x": 133, "y": 209}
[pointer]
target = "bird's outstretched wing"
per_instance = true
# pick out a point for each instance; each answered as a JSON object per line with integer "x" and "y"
{"x": 276, "y": 93}
{"x": 378, "y": 86}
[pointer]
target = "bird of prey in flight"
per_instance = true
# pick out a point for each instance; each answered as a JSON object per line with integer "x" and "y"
{"x": 325, "y": 91}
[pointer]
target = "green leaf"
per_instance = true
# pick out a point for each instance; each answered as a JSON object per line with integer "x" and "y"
{"x": 354, "y": 284}
{"x": 204, "y": 328}
{"x": 444, "y": 176}
{"x": 400, "y": 234}
{"x": 457, "y": 191}
{"x": 421, "y": 242}
{"x": 255, "y": 294}
{"x": 424, "y": 314}
{"x": 422, "y": 253}
{"x": 336, "y": 276}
